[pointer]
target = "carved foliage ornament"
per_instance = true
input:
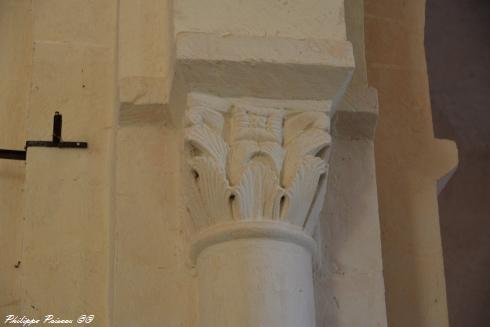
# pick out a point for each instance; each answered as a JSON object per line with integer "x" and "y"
{"x": 254, "y": 163}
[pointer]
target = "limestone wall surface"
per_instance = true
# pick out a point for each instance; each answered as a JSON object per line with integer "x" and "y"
{"x": 67, "y": 247}
{"x": 154, "y": 283}
{"x": 349, "y": 281}
{"x": 15, "y": 69}
{"x": 409, "y": 161}
{"x": 58, "y": 56}
{"x": 296, "y": 19}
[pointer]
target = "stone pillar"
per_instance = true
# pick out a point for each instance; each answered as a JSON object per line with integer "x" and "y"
{"x": 258, "y": 99}
{"x": 256, "y": 282}
{"x": 257, "y": 180}
{"x": 409, "y": 161}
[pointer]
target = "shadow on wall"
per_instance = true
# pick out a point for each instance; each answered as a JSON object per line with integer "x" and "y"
{"x": 458, "y": 57}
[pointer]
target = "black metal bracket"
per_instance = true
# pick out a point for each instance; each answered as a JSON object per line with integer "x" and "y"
{"x": 56, "y": 142}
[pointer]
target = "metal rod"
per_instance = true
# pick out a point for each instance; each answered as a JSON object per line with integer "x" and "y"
{"x": 49, "y": 144}
{"x": 57, "y": 125}
{"x": 12, "y": 154}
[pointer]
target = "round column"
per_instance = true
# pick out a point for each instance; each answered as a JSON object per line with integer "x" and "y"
{"x": 255, "y": 274}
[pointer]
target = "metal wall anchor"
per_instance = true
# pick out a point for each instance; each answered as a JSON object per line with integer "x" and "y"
{"x": 56, "y": 142}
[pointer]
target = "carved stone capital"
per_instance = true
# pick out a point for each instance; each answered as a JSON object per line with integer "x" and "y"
{"x": 261, "y": 162}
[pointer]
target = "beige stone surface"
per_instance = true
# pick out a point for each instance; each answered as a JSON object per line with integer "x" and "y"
{"x": 354, "y": 21}
{"x": 145, "y": 56}
{"x": 349, "y": 276}
{"x": 409, "y": 160}
{"x": 296, "y": 19}
{"x": 67, "y": 232}
{"x": 273, "y": 67}
{"x": 88, "y": 22}
{"x": 256, "y": 282}
{"x": 66, "y": 249}
{"x": 15, "y": 69}
{"x": 153, "y": 282}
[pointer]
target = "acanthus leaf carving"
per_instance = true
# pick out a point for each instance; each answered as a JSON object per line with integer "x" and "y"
{"x": 213, "y": 189}
{"x": 309, "y": 142}
{"x": 256, "y": 194}
{"x": 300, "y": 195}
{"x": 317, "y": 205}
{"x": 244, "y": 152}
{"x": 256, "y": 163}
{"x": 207, "y": 143}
